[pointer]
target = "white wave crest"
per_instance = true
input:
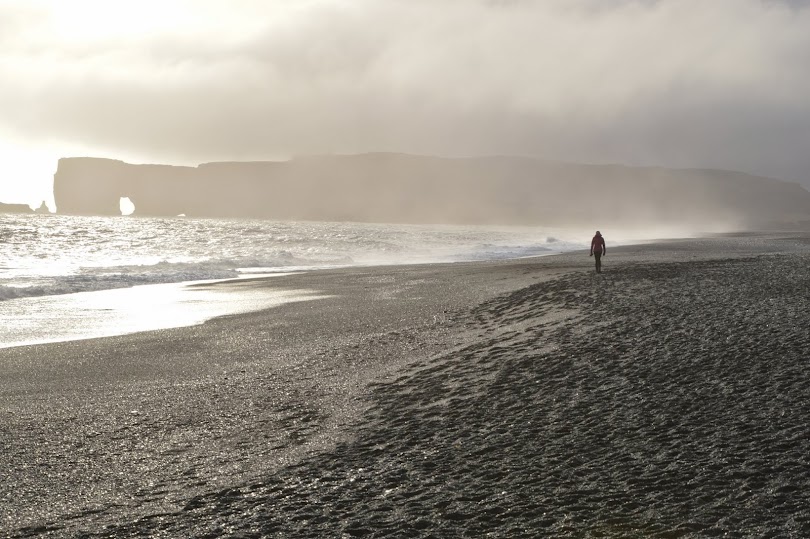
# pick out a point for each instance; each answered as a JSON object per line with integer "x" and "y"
{"x": 107, "y": 278}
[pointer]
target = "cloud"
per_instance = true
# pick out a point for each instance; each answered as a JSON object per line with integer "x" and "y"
{"x": 670, "y": 82}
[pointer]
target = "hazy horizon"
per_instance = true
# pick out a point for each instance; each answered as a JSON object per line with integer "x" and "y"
{"x": 670, "y": 83}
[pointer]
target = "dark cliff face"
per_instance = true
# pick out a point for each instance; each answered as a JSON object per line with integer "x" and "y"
{"x": 419, "y": 189}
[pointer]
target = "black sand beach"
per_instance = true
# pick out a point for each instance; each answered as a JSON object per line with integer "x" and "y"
{"x": 666, "y": 397}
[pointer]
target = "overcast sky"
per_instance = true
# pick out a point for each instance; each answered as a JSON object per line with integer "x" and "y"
{"x": 686, "y": 83}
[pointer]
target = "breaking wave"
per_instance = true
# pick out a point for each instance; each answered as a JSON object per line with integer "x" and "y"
{"x": 68, "y": 254}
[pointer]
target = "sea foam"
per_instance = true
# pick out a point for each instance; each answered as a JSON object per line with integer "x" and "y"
{"x": 54, "y": 255}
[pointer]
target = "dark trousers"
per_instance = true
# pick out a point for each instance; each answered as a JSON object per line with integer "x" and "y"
{"x": 598, "y": 257}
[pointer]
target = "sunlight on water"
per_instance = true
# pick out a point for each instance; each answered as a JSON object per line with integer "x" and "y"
{"x": 123, "y": 311}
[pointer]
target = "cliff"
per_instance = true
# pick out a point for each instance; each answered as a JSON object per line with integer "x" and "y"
{"x": 15, "y": 208}
{"x": 419, "y": 189}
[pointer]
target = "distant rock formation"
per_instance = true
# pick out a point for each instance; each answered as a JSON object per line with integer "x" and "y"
{"x": 382, "y": 187}
{"x": 43, "y": 208}
{"x": 15, "y": 208}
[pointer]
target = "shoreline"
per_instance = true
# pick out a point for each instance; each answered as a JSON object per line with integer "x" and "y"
{"x": 108, "y": 312}
{"x": 355, "y": 406}
{"x": 113, "y": 312}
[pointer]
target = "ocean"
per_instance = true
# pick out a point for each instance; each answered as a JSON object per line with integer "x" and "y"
{"x": 73, "y": 277}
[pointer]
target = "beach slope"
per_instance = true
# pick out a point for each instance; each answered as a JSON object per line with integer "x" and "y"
{"x": 666, "y": 397}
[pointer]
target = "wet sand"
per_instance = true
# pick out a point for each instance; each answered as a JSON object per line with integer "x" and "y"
{"x": 666, "y": 397}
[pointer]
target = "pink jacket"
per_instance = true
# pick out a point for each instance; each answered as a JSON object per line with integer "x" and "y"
{"x": 598, "y": 244}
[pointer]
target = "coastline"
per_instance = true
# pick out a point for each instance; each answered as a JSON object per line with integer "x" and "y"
{"x": 373, "y": 409}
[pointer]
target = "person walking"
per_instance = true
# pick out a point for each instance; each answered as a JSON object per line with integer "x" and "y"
{"x": 598, "y": 249}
